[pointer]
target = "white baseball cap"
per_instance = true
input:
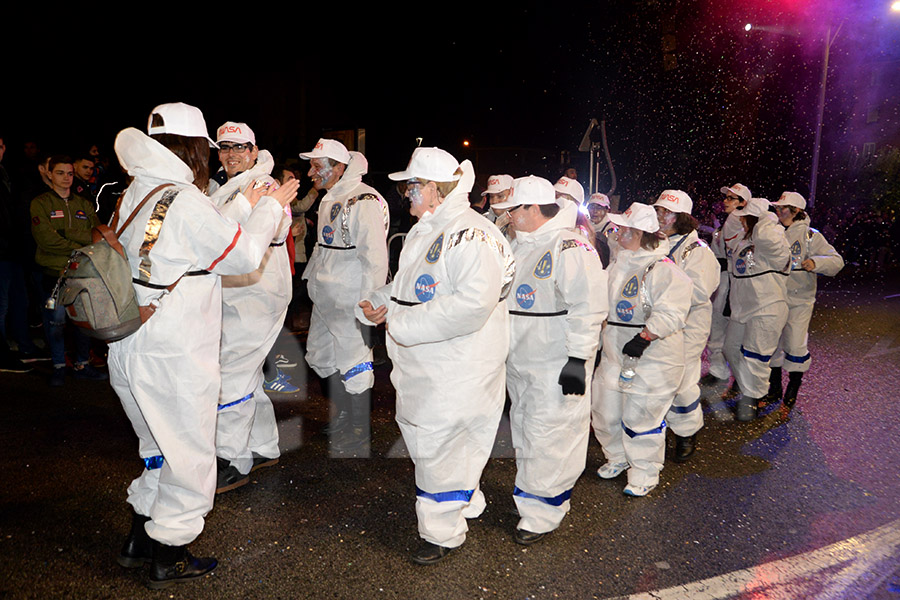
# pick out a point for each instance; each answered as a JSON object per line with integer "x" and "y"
{"x": 529, "y": 190}
{"x": 598, "y": 198}
{"x": 497, "y": 184}
{"x": 326, "y": 148}
{"x": 791, "y": 199}
{"x": 676, "y": 201}
{"x": 638, "y": 216}
{"x": 432, "y": 164}
{"x": 754, "y": 208}
{"x": 738, "y": 189}
{"x": 180, "y": 119}
{"x": 571, "y": 187}
{"x": 239, "y": 133}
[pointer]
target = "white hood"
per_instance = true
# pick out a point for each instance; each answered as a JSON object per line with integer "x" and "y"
{"x": 352, "y": 177}
{"x": 142, "y": 156}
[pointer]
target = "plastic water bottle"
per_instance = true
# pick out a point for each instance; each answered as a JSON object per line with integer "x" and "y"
{"x": 626, "y": 375}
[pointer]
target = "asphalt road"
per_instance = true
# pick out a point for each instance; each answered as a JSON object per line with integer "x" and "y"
{"x": 807, "y": 507}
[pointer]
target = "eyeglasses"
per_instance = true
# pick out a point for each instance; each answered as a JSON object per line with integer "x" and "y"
{"x": 733, "y": 198}
{"x": 236, "y": 148}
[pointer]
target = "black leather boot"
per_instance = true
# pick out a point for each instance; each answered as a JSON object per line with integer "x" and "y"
{"x": 138, "y": 548}
{"x": 795, "y": 378}
{"x": 340, "y": 416}
{"x": 356, "y": 439}
{"x": 684, "y": 447}
{"x": 775, "y": 389}
{"x": 746, "y": 409}
{"x": 174, "y": 564}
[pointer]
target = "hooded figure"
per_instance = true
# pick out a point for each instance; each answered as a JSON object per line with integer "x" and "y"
{"x": 167, "y": 373}
{"x": 349, "y": 261}
{"x": 556, "y": 312}
{"x": 253, "y": 310}
{"x": 759, "y": 267}
{"x": 652, "y": 298}
{"x": 811, "y": 255}
{"x": 448, "y": 338}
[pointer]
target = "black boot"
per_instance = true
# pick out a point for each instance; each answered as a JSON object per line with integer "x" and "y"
{"x": 138, "y": 548}
{"x": 775, "y": 390}
{"x": 795, "y": 378}
{"x": 174, "y": 564}
{"x": 746, "y": 409}
{"x": 684, "y": 447}
{"x": 340, "y": 415}
{"x": 356, "y": 438}
{"x": 733, "y": 390}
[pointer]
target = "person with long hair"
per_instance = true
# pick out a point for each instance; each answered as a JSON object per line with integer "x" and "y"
{"x": 759, "y": 267}
{"x": 166, "y": 374}
{"x": 448, "y": 338}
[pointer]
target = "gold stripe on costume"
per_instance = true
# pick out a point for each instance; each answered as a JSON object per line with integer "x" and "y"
{"x": 509, "y": 263}
{"x": 151, "y": 232}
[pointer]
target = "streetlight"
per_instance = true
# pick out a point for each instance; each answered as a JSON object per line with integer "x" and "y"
{"x": 896, "y": 6}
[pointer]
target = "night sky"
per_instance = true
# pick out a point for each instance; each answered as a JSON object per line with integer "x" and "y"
{"x": 736, "y": 105}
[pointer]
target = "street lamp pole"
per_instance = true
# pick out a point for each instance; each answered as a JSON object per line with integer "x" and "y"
{"x": 829, "y": 39}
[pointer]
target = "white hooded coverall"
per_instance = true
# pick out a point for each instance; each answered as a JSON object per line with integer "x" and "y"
{"x": 167, "y": 373}
{"x": 557, "y": 307}
{"x": 349, "y": 261}
{"x": 804, "y": 242}
{"x": 630, "y": 425}
{"x": 723, "y": 242}
{"x": 759, "y": 272}
{"x": 448, "y": 339}
{"x": 253, "y": 310}
{"x": 693, "y": 255}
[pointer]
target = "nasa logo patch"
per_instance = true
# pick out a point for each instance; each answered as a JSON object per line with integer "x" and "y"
{"x": 434, "y": 252}
{"x": 795, "y": 249}
{"x": 544, "y": 267}
{"x": 328, "y": 234}
{"x": 335, "y": 210}
{"x": 625, "y": 311}
{"x": 425, "y": 287}
{"x": 525, "y": 296}
{"x": 630, "y": 289}
{"x": 740, "y": 266}
{"x": 79, "y": 214}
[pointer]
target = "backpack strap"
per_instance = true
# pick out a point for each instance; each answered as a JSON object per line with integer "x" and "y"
{"x": 109, "y": 233}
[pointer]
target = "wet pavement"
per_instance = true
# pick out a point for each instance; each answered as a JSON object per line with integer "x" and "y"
{"x": 805, "y": 507}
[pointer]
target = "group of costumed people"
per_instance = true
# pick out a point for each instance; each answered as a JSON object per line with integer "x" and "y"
{"x": 516, "y": 302}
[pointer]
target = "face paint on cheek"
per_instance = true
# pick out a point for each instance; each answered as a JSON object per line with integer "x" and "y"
{"x": 323, "y": 173}
{"x": 415, "y": 195}
{"x": 625, "y": 236}
{"x": 668, "y": 220}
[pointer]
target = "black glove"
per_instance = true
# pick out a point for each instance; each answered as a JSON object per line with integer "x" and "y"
{"x": 368, "y": 335}
{"x": 635, "y": 346}
{"x": 571, "y": 378}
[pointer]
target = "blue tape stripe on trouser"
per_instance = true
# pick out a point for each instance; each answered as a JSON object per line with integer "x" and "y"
{"x": 360, "y": 368}
{"x": 631, "y": 433}
{"x": 455, "y": 495}
{"x": 797, "y": 359}
{"x": 153, "y": 462}
{"x": 554, "y": 501}
{"x": 686, "y": 409}
{"x": 244, "y": 399}
{"x": 760, "y": 357}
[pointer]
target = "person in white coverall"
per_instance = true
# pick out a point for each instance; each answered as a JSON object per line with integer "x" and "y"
{"x": 498, "y": 190}
{"x": 573, "y": 191}
{"x": 722, "y": 245}
{"x": 693, "y": 256}
{"x": 166, "y": 374}
{"x": 253, "y": 310}
{"x": 556, "y": 312}
{"x": 649, "y": 301}
{"x": 604, "y": 230}
{"x": 811, "y": 255}
{"x": 759, "y": 267}
{"x": 349, "y": 261}
{"x": 448, "y": 338}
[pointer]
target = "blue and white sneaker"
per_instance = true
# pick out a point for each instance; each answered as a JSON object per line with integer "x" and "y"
{"x": 638, "y": 491}
{"x": 281, "y": 384}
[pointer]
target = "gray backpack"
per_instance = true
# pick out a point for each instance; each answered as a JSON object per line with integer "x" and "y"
{"x": 96, "y": 288}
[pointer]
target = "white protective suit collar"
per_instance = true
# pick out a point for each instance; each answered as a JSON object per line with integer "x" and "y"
{"x": 457, "y": 200}
{"x": 142, "y": 156}
{"x": 264, "y": 165}
{"x": 352, "y": 177}
{"x": 564, "y": 219}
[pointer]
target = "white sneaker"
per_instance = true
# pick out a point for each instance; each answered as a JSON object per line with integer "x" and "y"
{"x": 611, "y": 470}
{"x": 638, "y": 490}
{"x": 283, "y": 362}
